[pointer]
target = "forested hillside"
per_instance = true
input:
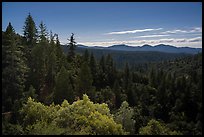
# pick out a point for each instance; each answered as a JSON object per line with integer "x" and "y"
{"x": 133, "y": 58}
{"x": 48, "y": 92}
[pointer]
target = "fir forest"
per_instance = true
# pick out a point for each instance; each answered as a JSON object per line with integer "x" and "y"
{"x": 47, "y": 90}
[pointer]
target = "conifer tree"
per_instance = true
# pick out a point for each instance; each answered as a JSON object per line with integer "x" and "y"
{"x": 126, "y": 76}
{"x": 110, "y": 70}
{"x": 30, "y": 36}
{"x": 43, "y": 34}
{"x": 72, "y": 47}
{"x": 102, "y": 64}
{"x": 14, "y": 69}
{"x": 40, "y": 62}
{"x": 117, "y": 91}
{"x": 86, "y": 56}
{"x": 94, "y": 70}
{"x": 30, "y": 31}
{"x": 85, "y": 80}
{"x": 102, "y": 74}
{"x": 59, "y": 54}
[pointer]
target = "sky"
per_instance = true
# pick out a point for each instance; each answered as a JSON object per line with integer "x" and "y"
{"x": 112, "y": 23}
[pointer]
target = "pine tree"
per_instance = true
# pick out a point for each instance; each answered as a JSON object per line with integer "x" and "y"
{"x": 126, "y": 77}
{"x": 110, "y": 71}
{"x": 39, "y": 62}
{"x": 102, "y": 74}
{"x": 102, "y": 64}
{"x": 51, "y": 70}
{"x": 72, "y": 47}
{"x": 14, "y": 69}
{"x": 43, "y": 34}
{"x": 117, "y": 91}
{"x": 30, "y": 36}
{"x": 59, "y": 54}
{"x": 85, "y": 80}
{"x": 30, "y": 31}
{"x": 94, "y": 70}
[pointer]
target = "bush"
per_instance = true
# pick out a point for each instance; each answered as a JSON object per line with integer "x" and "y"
{"x": 155, "y": 127}
{"x": 81, "y": 117}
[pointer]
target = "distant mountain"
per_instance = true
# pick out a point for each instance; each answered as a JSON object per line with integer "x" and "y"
{"x": 121, "y": 47}
{"x": 82, "y": 46}
{"x": 160, "y": 48}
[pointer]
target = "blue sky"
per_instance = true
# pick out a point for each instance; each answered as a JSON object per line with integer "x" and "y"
{"x": 109, "y": 23}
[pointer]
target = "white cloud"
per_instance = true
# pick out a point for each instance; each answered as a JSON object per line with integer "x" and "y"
{"x": 173, "y": 31}
{"x": 192, "y": 42}
{"x": 132, "y": 31}
{"x": 194, "y": 30}
{"x": 151, "y": 36}
{"x": 197, "y": 39}
{"x": 197, "y": 29}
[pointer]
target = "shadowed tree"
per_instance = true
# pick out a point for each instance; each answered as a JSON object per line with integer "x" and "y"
{"x": 63, "y": 89}
{"x": 72, "y": 47}
{"x": 14, "y": 69}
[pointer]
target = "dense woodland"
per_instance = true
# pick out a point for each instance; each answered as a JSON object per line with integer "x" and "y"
{"x": 46, "y": 91}
{"x": 134, "y": 58}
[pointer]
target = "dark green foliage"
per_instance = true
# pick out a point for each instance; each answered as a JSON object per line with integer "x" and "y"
{"x": 110, "y": 70}
{"x": 156, "y": 128}
{"x": 136, "y": 59}
{"x": 94, "y": 71}
{"x": 63, "y": 89}
{"x": 102, "y": 74}
{"x": 11, "y": 129}
{"x": 108, "y": 97}
{"x": 39, "y": 69}
{"x": 117, "y": 92}
{"x": 86, "y": 56}
{"x": 59, "y": 55}
{"x": 14, "y": 69}
{"x": 85, "y": 81}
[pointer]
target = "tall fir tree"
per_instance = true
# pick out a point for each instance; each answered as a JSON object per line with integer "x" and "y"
{"x": 85, "y": 80}
{"x": 110, "y": 70}
{"x": 40, "y": 61}
{"x": 59, "y": 54}
{"x": 102, "y": 74}
{"x": 126, "y": 76}
{"x": 14, "y": 69}
{"x": 30, "y": 31}
{"x": 30, "y": 36}
{"x": 94, "y": 71}
{"x": 43, "y": 34}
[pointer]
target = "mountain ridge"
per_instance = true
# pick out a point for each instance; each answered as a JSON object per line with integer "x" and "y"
{"x": 146, "y": 47}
